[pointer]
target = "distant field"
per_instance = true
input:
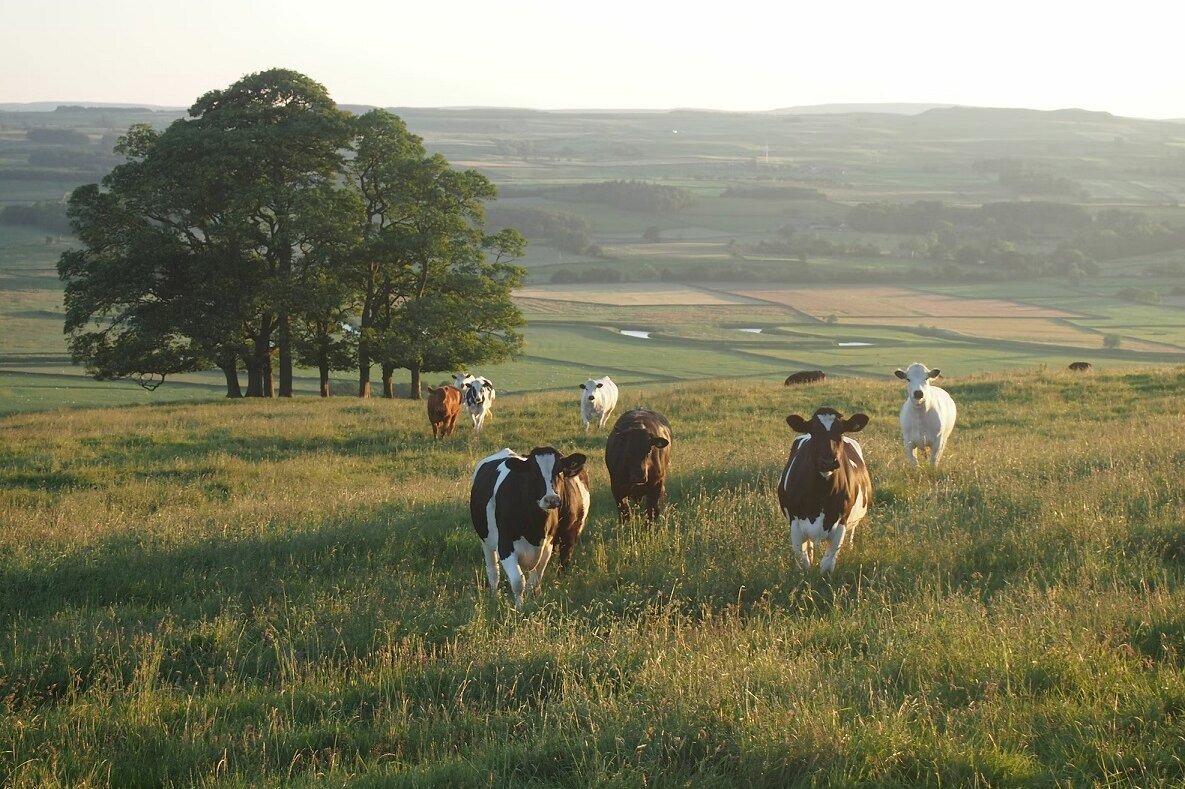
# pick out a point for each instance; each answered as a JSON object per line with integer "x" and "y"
{"x": 890, "y": 302}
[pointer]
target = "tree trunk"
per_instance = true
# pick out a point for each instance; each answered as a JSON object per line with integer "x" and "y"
{"x": 284, "y": 342}
{"x": 363, "y": 368}
{"x": 231, "y": 371}
{"x": 388, "y": 380}
{"x": 323, "y": 366}
{"x": 414, "y": 394}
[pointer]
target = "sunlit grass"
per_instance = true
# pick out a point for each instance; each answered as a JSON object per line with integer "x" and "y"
{"x": 266, "y": 592}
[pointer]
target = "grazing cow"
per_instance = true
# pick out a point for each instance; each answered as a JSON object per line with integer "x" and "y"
{"x": 444, "y": 404}
{"x": 523, "y": 508}
{"x": 1080, "y": 367}
{"x": 477, "y": 392}
{"x": 637, "y": 454}
{"x": 825, "y": 489}
{"x": 927, "y": 415}
{"x": 805, "y": 377}
{"x": 598, "y": 398}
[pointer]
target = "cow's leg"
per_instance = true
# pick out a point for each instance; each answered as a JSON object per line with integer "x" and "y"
{"x": 800, "y": 545}
{"x": 586, "y": 424}
{"x": 654, "y": 502}
{"x": 491, "y": 567}
{"x": 936, "y": 450}
{"x": 536, "y": 576}
{"x": 909, "y": 455}
{"x": 605, "y": 418}
{"x": 514, "y": 575}
{"x": 623, "y": 506}
{"x": 838, "y": 532}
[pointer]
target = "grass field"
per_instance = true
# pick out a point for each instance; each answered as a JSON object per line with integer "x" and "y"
{"x": 289, "y": 592}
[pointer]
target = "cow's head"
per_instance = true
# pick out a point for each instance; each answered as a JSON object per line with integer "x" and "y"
{"x": 542, "y": 469}
{"x": 590, "y": 388}
{"x": 826, "y": 429}
{"x": 917, "y": 382}
{"x": 476, "y": 390}
{"x": 461, "y": 380}
{"x": 637, "y": 444}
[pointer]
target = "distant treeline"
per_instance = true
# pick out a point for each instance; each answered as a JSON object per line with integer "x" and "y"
{"x": 565, "y": 232}
{"x": 50, "y": 217}
{"x": 1023, "y": 178}
{"x": 51, "y": 136}
{"x": 984, "y": 233}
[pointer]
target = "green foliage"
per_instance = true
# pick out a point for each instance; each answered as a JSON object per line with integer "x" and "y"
{"x": 174, "y": 616}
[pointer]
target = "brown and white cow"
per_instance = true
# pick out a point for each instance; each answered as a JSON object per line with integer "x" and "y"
{"x": 638, "y": 454}
{"x": 825, "y": 489}
{"x": 523, "y": 509}
{"x": 444, "y": 406}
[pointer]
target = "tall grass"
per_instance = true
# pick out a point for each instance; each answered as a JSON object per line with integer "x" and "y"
{"x": 260, "y": 593}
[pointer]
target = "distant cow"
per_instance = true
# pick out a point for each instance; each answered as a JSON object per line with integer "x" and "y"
{"x": 444, "y": 405}
{"x": 477, "y": 394}
{"x": 825, "y": 489}
{"x": 927, "y": 415}
{"x": 523, "y": 508}
{"x": 598, "y": 398}
{"x": 1080, "y": 367}
{"x": 638, "y": 454}
{"x": 805, "y": 377}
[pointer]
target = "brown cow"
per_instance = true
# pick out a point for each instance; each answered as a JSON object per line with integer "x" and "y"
{"x": 444, "y": 404}
{"x": 637, "y": 454}
{"x": 1080, "y": 367}
{"x": 805, "y": 377}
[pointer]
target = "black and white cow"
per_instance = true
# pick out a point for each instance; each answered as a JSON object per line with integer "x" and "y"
{"x": 523, "y": 508}
{"x": 825, "y": 489}
{"x": 477, "y": 395}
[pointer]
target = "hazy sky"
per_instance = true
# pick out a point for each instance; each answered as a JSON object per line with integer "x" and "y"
{"x": 1124, "y": 58}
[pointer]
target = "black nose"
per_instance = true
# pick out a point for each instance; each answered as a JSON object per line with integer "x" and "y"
{"x": 919, "y": 394}
{"x": 830, "y": 465}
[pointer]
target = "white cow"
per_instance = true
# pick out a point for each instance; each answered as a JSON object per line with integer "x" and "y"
{"x": 598, "y": 398}
{"x": 927, "y": 415}
{"x": 477, "y": 393}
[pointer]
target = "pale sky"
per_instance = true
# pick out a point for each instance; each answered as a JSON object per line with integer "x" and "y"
{"x": 1124, "y": 58}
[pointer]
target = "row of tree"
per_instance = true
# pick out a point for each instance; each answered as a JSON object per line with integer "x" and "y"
{"x": 269, "y": 230}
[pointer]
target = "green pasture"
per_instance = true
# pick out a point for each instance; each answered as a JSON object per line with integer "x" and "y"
{"x": 242, "y": 593}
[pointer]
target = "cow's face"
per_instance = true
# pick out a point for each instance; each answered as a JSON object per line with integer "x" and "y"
{"x": 917, "y": 382}
{"x": 590, "y": 388}
{"x": 638, "y": 445}
{"x": 477, "y": 390}
{"x": 826, "y": 429}
{"x": 542, "y": 471}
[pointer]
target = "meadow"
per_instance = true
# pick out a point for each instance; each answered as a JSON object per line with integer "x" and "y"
{"x": 234, "y": 593}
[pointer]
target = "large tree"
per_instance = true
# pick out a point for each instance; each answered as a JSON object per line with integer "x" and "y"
{"x": 192, "y": 249}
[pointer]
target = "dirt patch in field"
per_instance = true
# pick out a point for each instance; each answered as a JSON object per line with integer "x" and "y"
{"x": 891, "y": 302}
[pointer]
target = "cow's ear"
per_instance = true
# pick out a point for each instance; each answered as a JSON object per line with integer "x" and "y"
{"x": 900, "y": 374}
{"x": 579, "y": 386}
{"x": 518, "y": 465}
{"x": 855, "y": 423}
{"x": 573, "y": 463}
{"x": 599, "y": 385}
{"x": 487, "y": 384}
{"x": 934, "y": 373}
{"x": 797, "y": 423}
{"x": 659, "y": 441}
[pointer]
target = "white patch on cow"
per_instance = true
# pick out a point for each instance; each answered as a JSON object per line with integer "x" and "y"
{"x": 859, "y": 509}
{"x": 826, "y": 420}
{"x": 854, "y": 444}
{"x": 794, "y": 447}
{"x": 547, "y": 469}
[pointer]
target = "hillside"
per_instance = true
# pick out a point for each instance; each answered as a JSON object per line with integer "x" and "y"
{"x": 276, "y": 592}
{"x": 978, "y": 238}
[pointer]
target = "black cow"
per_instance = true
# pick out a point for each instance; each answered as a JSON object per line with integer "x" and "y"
{"x": 825, "y": 489}
{"x": 805, "y": 377}
{"x": 637, "y": 454}
{"x": 523, "y": 508}
{"x": 1080, "y": 367}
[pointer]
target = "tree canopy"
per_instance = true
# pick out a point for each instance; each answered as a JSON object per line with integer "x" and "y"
{"x": 269, "y": 226}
